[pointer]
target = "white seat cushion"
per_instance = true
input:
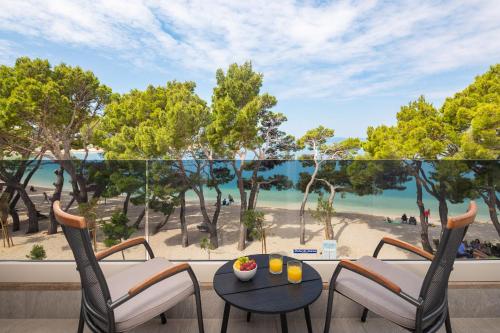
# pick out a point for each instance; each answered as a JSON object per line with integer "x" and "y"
{"x": 151, "y": 302}
{"x": 378, "y": 299}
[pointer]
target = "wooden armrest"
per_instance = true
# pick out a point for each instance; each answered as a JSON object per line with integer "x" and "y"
{"x": 157, "y": 278}
{"x": 120, "y": 247}
{"x": 408, "y": 247}
{"x": 352, "y": 266}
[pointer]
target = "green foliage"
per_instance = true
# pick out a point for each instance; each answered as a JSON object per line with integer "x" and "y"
{"x": 237, "y": 109}
{"x": 383, "y": 142}
{"x": 88, "y": 211}
{"x": 317, "y": 142}
{"x": 207, "y": 246}
{"x": 449, "y": 179}
{"x": 49, "y": 104}
{"x": 157, "y": 122}
{"x": 316, "y": 138}
{"x": 255, "y": 222}
{"x": 368, "y": 177}
{"x": 420, "y": 133}
{"x": 165, "y": 185}
{"x": 116, "y": 229}
{"x": 324, "y": 210}
{"x": 37, "y": 253}
{"x": 273, "y": 143}
{"x": 486, "y": 175}
{"x": 127, "y": 177}
{"x": 474, "y": 114}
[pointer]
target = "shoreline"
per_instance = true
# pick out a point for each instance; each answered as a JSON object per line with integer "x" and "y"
{"x": 353, "y": 204}
{"x": 357, "y": 233}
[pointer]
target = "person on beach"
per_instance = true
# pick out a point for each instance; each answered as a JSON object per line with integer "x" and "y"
{"x": 427, "y": 214}
{"x": 45, "y": 195}
{"x": 230, "y": 199}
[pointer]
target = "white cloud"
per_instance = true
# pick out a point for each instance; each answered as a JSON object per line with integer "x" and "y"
{"x": 339, "y": 48}
{"x": 6, "y": 51}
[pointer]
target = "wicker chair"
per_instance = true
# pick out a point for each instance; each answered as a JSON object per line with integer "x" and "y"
{"x": 124, "y": 300}
{"x": 418, "y": 304}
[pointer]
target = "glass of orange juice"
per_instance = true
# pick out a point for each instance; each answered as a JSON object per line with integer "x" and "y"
{"x": 275, "y": 263}
{"x": 294, "y": 270}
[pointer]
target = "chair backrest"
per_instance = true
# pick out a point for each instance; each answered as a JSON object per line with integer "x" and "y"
{"x": 94, "y": 286}
{"x": 435, "y": 285}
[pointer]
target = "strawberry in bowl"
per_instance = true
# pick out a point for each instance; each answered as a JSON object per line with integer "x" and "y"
{"x": 244, "y": 268}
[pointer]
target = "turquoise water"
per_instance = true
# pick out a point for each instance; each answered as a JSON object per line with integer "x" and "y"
{"x": 388, "y": 203}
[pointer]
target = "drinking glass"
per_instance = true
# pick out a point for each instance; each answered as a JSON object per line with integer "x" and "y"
{"x": 294, "y": 269}
{"x": 275, "y": 263}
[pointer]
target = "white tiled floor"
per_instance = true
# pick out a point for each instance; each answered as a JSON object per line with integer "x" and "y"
{"x": 258, "y": 324}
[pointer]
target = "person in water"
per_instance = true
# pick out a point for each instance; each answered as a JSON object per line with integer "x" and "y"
{"x": 404, "y": 218}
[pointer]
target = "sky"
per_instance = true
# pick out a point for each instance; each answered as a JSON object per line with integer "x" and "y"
{"x": 342, "y": 64}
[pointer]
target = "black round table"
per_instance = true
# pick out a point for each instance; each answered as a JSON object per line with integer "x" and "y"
{"x": 267, "y": 293}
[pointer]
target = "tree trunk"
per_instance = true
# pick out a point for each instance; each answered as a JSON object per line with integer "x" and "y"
{"x": 243, "y": 205}
{"x": 424, "y": 226}
{"x": 70, "y": 203}
{"x": 12, "y": 209}
{"x": 198, "y": 189}
{"x": 32, "y": 213}
{"x": 252, "y": 198}
{"x": 138, "y": 221}
{"x": 328, "y": 222}
{"x": 15, "y": 219}
{"x": 58, "y": 184}
{"x": 162, "y": 224}
{"x": 126, "y": 202}
{"x": 182, "y": 217}
{"x": 443, "y": 212}
{"x": 78, "y": 181}
{"x": 242, "y": 235}
{"x": 12, "y": 183}
{"x": 26, "y": 181}
{"x": 213, "y": 236}
{"x": 303, "y": 205}
{"x": 490, "y": 200}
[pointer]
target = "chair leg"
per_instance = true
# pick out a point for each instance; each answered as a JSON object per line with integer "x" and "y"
{"x": 81, "y": 321}
{"x": 363, "y": 316}
{"x": 199, "y": 312}
{"x": 329, "y": 311}
{"x": 448, "y": 322}
{"x": 163, "y": 318}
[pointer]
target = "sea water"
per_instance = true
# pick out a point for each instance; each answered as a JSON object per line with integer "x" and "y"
{"x": 391, "y": 203}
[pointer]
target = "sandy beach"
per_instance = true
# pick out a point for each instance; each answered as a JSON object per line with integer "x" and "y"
{"x": 357, "y": 233}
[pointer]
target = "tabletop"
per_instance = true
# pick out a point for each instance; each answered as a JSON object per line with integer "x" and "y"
{"x": 265, "y": 292}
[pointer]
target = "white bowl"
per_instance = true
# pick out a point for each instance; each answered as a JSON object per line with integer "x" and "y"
{"x": 245, "y": 275}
